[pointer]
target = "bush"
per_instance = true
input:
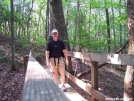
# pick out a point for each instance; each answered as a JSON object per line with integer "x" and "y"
{"x": 39, "y": 41}
{"x": 22, "y": 44}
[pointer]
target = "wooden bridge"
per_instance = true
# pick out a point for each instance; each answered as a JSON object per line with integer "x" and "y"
{"x": 39, "y": 85}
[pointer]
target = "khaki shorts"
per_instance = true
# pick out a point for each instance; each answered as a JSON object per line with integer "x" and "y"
{"x": 60, "y": 66}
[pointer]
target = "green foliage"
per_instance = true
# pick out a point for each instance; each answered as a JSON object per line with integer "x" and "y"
{"x": 1, "y": 48}
{"x": 96, "y": 4}
{"x": 5, "y": 14}
{"x": 121, "y": 19}
{"x": 39, "y": 42}
{"x": 87, "y": 27}
{"x": 22, "y": 44}
{"x": 38, "y": 54}
{"x": 1, "y": 58}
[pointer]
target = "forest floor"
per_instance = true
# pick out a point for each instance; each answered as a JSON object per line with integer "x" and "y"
{"x": 11, "y": 82}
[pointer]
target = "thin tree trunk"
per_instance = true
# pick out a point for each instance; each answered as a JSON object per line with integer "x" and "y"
{"x": 108, "y": 30}
{"x": 12, "y": 36}
{"x": 38, "y": 25}
{"x": 75, "y": 29}
{"x": 47, "y": 20}
{"x": 23, "y": 22}
{"x": 43, "y": 30}
{"x": 129, "y": 76}
{"x": 19, "y": 28}
{"x": 120, "y": 26}
{"x": 28, "y": 21}
{"x": 113, "y": 27}
{"x": 90, "y": 13}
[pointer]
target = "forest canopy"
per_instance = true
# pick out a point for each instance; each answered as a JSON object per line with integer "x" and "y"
{"x": 97, "y": 26}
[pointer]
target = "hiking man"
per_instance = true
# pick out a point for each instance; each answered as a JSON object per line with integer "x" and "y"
{"x": 55, "y": 53}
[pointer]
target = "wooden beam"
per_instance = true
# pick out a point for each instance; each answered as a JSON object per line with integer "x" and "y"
{"x": 88, "y": 88}
{"x": 94, "y": 77}
{"x": 25, "y": 59}
{"x": 120, "y": 59}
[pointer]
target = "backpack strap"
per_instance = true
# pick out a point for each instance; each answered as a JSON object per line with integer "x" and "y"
{"x": 55, "y": 60}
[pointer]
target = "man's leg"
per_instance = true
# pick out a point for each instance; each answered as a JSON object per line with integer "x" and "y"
{"x": 55, "y": 77}
{"x": 61, "y": 68}
{"x": 54, "y": 70}
{"x": 62, "y": 76}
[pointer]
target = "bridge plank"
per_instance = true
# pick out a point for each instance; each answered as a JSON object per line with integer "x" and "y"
{"x": 39, "y": 85}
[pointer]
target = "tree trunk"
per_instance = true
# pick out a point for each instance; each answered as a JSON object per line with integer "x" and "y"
{"x": 89, "y": 28}
{"x": 108, "y": 30}
{"x": 60, "y": 25}
{"x": 129, "y": 76}
{"x": 47, "y": 19}
{"x": 12, "y": 37}
{"x": 120, "y": 26}
{"x": 23, "y": 22}
{"x": 59, "y": 18}
{"x": 28, "y": 20}
{"x": 113, "y": 28}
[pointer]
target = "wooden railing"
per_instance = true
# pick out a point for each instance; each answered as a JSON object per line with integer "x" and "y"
{"x": 94, "y": 58}
{"x": 39, "y": 86}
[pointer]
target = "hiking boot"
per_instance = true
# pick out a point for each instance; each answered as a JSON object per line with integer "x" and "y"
{"x": 64, "y": 88}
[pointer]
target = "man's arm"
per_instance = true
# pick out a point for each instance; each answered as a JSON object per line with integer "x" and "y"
{"x": 66, "y": 56}
{"x": 47, "y": 59}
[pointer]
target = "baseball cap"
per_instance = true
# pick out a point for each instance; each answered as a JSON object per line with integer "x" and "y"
{"x": 53, "y": 31}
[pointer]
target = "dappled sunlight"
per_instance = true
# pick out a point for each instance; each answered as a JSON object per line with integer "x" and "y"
{"x": 78, "y": 55}
{"x": 44, "y": 88}
{"x": 38, "y": 83}
{"x": 100, "y": 89}
{"x": 35, "y": 70}
{"x": 126, "y": 97}
{"x": 114, "y": 58}
{"x": 120, "y": 59}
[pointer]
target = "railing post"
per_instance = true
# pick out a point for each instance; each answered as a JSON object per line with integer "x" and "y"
{"x": 25, "y": 58}
{"x": 94, "y": 77}
{"x": 69, "y": 68}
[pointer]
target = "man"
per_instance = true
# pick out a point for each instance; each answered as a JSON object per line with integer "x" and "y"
{"x": 55, "y": 51}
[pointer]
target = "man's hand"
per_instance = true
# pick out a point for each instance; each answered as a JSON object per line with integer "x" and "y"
{"x": 47, "y": 59}
{"x": 67, "y": 62}
{"x": 66, "y": 57}
{"x": 48, "y": 64}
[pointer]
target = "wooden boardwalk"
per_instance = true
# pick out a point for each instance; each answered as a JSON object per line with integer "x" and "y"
{"x": 39, "y": 85}
{"x": 71, "y": 93}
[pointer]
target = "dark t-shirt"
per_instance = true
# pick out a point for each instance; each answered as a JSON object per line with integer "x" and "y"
{"x": 55, "y": 48}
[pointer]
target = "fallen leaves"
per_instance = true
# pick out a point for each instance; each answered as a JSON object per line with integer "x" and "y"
{"x": 11, "y": 84}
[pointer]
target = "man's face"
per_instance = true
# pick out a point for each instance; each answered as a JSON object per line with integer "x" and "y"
{"x": 55, "y": 34}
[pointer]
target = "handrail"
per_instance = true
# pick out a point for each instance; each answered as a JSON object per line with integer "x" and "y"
{"x": 95, "y": 58}
{"x": 38, "y": 85}
{"x": 120, "y": 59}
{"x": 87, "y": 87}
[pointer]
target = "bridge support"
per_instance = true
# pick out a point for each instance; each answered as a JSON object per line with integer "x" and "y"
{"x": 94, "y": 77}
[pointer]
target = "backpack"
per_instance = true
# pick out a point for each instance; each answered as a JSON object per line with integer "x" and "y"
{"x": 56, "y": 48}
